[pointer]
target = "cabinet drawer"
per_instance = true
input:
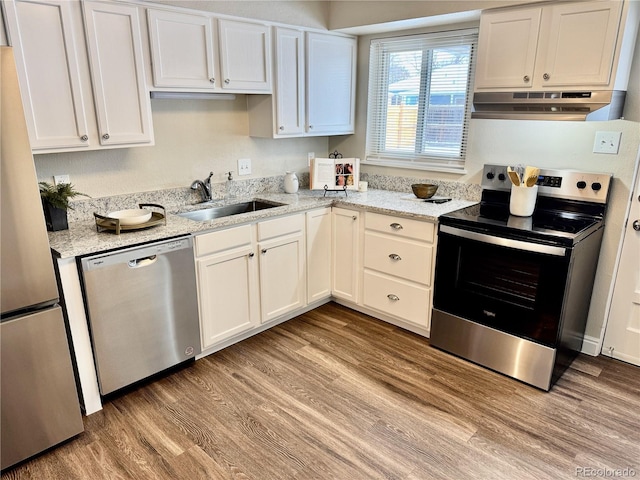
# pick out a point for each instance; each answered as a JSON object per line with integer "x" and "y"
{"x": 405, "y": 300}
{"x": 401, "y": 227}
{"x": 223, "y": 240}
{"x": 397, "y": 256}
{"x": 280, "y": 226}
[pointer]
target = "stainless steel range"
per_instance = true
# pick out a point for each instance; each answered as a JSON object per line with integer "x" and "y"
{"x": 513, "y": 293}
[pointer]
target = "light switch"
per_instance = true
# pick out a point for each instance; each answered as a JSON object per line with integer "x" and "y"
{"x": 607, "y": 142}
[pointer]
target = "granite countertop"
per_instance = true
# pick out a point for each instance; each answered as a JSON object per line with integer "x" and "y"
{"x": 82, "y": 237}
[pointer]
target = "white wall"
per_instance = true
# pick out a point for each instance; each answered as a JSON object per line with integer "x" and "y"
{"x": 193, "y": 137}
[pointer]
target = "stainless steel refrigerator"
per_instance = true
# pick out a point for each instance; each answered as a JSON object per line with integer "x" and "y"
{"x": 39, "y": 399}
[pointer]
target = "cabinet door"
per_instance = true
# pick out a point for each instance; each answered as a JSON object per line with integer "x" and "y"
{"x": 227, "y": 294}
{"x": 318, "y": 254}
{"x": 346, "y": 253}
{"x": 183, "y": 50}
{"x": 331, "y": 81}
{"x": 123, "y": 107}
{"x": 282, "y": 282}
{"x": 44, "y": 36}
{"x": 577, "y": 44}
{"x": 290, "y": 97}
{"x": 245, "y": 56}
{"x": 507, "y": 46}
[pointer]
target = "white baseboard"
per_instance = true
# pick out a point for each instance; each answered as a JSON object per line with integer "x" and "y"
{"x": 591, "y": 346}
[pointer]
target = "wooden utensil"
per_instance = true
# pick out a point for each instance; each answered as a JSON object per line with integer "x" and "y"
{"x": 531, "y": 176}
{"x": 513, "y": 176}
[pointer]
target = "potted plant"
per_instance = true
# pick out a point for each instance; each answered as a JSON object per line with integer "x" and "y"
{"x": 55, "y": 202}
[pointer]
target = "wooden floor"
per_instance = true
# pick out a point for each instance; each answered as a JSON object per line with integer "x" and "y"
{"x": 334, "y": 394}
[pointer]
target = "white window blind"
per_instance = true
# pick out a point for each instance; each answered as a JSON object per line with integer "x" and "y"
{"x": 420, "y": 90}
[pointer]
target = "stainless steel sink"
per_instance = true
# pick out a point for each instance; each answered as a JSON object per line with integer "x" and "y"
{"x": 226, "y": 210}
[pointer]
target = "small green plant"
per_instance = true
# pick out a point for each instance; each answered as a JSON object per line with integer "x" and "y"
{"x": 58, "y": 195}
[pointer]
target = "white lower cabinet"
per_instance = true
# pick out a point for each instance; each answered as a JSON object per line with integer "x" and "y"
{"x": 282, "y": 266}
{"x": 318, "y": 239}
{"x": 399, "y": 258}
{"x": 249, "y": 275}
{"x": 345, "y": 247}
{"x": 227, "y": 273}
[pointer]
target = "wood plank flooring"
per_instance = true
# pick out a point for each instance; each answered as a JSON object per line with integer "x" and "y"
{"x": 334, "y": 394}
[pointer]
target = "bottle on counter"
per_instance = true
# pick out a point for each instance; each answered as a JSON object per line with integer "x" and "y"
{"x": 291, "y": 182}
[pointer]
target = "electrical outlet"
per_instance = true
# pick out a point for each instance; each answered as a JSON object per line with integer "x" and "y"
{"x": 310, "y": 156}
{"x": 244, "y": 166}
{"x": 59, "y": 179}
{"x": 607, "y": 142}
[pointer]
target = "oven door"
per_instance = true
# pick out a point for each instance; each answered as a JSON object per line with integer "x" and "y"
{"x": 513, "y": 286}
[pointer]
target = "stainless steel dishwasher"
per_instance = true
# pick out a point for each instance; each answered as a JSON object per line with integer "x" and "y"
{"x": 142, "y": 308}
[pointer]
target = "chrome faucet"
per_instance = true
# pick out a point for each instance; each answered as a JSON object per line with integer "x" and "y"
{"x": 205, "y": 187}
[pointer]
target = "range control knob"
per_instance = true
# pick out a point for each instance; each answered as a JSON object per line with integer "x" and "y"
{"x": 596, "y": 186}
{"x": 491, "y": 175}
{"x": 502, "y": 177}
{"x": 581, "y": 184}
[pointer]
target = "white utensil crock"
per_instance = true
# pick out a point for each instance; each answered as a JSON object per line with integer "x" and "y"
{"x": 291, "y": 182}
{"x": 523, "y": 200}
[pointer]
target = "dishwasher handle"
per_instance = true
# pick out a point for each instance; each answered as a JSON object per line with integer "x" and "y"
{"x": 142, "y": 262}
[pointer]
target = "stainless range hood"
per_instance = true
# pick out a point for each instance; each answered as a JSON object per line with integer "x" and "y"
{"x": 576, "y": 106}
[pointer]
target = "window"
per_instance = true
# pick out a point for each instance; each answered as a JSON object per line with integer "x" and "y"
{"x": 420, "y": 100}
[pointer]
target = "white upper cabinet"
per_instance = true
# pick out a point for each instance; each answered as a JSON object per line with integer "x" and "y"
{"x": 507, "y": 46}
{"x": 560, "y": 45}
{"x": 290, "y": 85}
{"x": 191, "y": 52}
{"x": 122, "y": 104}
{"x": 44, "y": 39}
{"x": 331, "y": 84}
{"x": 314, "y": 95}
{"x": 56, "y": 82}
{"x": 184, "y": 50}
{"x": 245, "y": 56}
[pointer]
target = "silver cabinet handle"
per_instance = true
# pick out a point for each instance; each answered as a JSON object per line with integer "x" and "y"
{"x": 84, "y": 138}
{"x": 227, "y": 81}
{"x": 393, "y": 297}
{"x": 526, "y": 78}
{"x": 636, "y": 225}
{"x": 546, "y": 76}
{"x": 212, "y": 80}
{"x": 264, "y": 250}
{"x": 105, "y": 136}
{"x": 394, "y": 256}
{"x": 396, "y": 226}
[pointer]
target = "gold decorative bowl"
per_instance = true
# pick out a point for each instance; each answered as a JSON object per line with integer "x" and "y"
{"x": 424, "y": 190}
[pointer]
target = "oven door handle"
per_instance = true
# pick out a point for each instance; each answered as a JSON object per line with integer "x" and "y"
{"x": 504, "y": 242}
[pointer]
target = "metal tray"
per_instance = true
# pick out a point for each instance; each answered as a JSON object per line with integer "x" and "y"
{"x": 113, "y": 224}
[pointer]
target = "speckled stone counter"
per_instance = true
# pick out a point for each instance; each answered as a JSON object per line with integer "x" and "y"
{"x": 82, "y": 238}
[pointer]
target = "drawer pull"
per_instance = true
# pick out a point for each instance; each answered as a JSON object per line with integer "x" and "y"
{"x": 393, "y": 297}
{"x": 396, "y": 226}
{"x": 394, "y": 256}
{"x": 251, "y": 255}
{"x": 264, "y": 250}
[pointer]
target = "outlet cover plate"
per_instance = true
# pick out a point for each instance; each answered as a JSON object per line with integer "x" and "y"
{"x": 607, "y": 142}
{"x": 59, "y": 179}
{"x": 244, "y": 166}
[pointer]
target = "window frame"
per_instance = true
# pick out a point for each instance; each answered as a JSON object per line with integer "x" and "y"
{"x": 378, "y": 103}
